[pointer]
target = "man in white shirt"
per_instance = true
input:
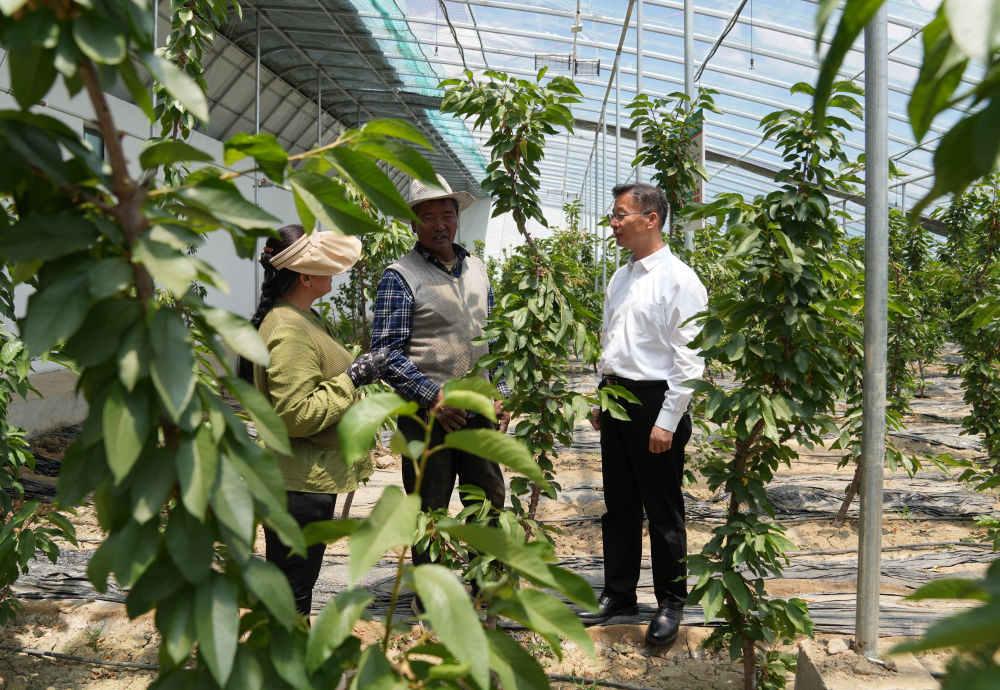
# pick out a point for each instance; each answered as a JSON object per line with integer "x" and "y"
{"x": 645, "y": 350}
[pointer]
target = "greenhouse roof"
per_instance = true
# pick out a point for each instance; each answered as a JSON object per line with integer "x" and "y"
{"x": 360, "y": 59}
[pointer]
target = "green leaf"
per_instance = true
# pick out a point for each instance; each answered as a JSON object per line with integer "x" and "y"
{"x": 528, "y": 559}
{"x": 470, "y": 400}
{"x": 288, "y": 656}
{"x": 222, "y": 199}
{"x": 401, "y": 129}
{"x": 950, "y": 588}
{"x": 217, "y": 623}
{"x": 450, "y": 612}
{"x": 390, "y": 524}
{"x": 975, "y": 27}
{"x": 547, "y": 616}
{"x": 171, "y": 151}
{"x": 264, "y": 148}
{"x": 133, "y": 362}
{"x": 358, "y": 426}
{"x": 855, "y": 16}
{"x": 190, "y": 545}
{"x": 335, "y": 624}
{"x": 376, "y": 673}
{"x": 154, "y": 480}
{"x": 735, "y": 347}
{"x": 326, "y": 201}
{"x": 496, "y": 447}
{"x": 175, "y": 621}
{"x": 197, "y": 467}
{"x": 232, "y": 506}
{"x": 99, "y": 565}
{"x": 98, "y": 39}
{"x": 9, "y": 7}
{"x": 170, "y": 267}
{"x": 514, "y": 666}
{"x": 90, "y": 347}
{"x": 137, "y": 89}
{"x": 238, "y": 333}
{"x": 399, "y": 156}
{"x": 46, "y": 236}
{"x": 270, "y": 586}
{"x": 713, "y": 599}
{"x": 371, "y": 180}
{"x": 177, "y": 83}
{"x": 969, "y": 629}
{"x": 33, "y": 138}
{"x": 160, "y": 582}
{"x": 125, "y": 424}
{"x": 32, "y": 75}
{"x": 110, "y": 277}
{"x": 270, "y": 429}
{"x": 738, "y": 588}
{"x": 172, "y": 366}
{"x": 54, "y": 313}
{"x": 328, "y": 531}
{"x": 135, "y": 550}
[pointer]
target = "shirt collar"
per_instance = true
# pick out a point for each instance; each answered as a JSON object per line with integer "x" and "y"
{"x": 651, "y": 261}
{"x": 460, "y": 252}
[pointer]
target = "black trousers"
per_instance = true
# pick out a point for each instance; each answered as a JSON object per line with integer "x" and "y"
{"x": 637, "y": 481}
{"x": 302, "y": 573}
{"x": 444, "y": 467}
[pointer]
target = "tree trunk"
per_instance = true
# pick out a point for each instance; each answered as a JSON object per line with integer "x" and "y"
{"x": 749, "y": 665}
{"x": 852, "y": 490}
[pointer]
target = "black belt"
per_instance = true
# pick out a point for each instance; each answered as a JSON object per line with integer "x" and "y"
{"x": 610, "y": 380}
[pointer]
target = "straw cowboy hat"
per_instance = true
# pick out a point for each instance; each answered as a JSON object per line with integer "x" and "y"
{"x": 319, "y": 254}
{"x": 419, "y": 193}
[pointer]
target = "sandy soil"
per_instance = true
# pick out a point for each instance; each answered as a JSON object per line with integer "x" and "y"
{"x": 921, "y": 543}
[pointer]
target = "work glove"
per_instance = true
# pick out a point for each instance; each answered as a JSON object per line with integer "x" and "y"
{"x": 368, "y": 367}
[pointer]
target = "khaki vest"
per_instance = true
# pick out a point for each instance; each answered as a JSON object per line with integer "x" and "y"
{"x": 448, "y": 313}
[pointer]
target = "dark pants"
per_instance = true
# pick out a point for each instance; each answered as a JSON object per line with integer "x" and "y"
{"x": 444, "y": 467}
{"x": 302, "y": 573}
{"x": 636, "y": 480}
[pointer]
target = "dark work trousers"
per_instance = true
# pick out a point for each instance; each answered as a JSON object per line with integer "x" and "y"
{"x": 636, "y": 480}
{"x": 444, "y": 467}
{"x": 302, "y": 573}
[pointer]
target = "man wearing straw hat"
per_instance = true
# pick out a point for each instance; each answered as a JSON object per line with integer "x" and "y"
{"x": 431, "y": 305}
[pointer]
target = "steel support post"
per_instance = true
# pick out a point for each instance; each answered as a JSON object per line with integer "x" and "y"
{"x": 601, "y": 192}
{"x": 618, "y": 139}
{"x": 689, "y": 85}
{"x": 876, "y": 329}
{"x": 638, "y": 81}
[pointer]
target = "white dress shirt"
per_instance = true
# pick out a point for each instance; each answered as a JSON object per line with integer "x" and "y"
{"x": 643, "y": 337}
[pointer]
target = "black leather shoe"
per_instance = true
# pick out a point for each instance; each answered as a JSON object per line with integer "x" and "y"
{"x": 609, "y": 608}
{"x": 664, "y": 626}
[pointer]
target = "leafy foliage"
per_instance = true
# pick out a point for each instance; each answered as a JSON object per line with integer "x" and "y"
{"x": 975, "y": 632}
{"x": 784, "y": 340}
{"x": 667, "y": 143}
{"x": 973, "y": 255}
{"x": 961, "y": 34}
{"x": 916, "y": 331}
{"x": 26, "y": 525}
{"x": 538, "y": 319}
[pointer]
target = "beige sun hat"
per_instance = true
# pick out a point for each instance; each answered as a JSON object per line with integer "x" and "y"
{"x": 319, "y": 254}
{"x": 419, "y": 193}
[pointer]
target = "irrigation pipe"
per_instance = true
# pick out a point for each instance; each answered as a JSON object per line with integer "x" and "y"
{"x": 595, "y": 681}
{"x": 81, "y": 659}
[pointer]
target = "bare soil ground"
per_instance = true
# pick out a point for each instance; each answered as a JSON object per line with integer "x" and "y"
{"x": 927, "y": 532}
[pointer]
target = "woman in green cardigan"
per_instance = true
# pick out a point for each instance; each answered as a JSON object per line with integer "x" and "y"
{"x": 311, "y": 381}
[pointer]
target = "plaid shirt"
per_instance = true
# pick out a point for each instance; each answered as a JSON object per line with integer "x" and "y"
{"x": 392, "y": 326}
